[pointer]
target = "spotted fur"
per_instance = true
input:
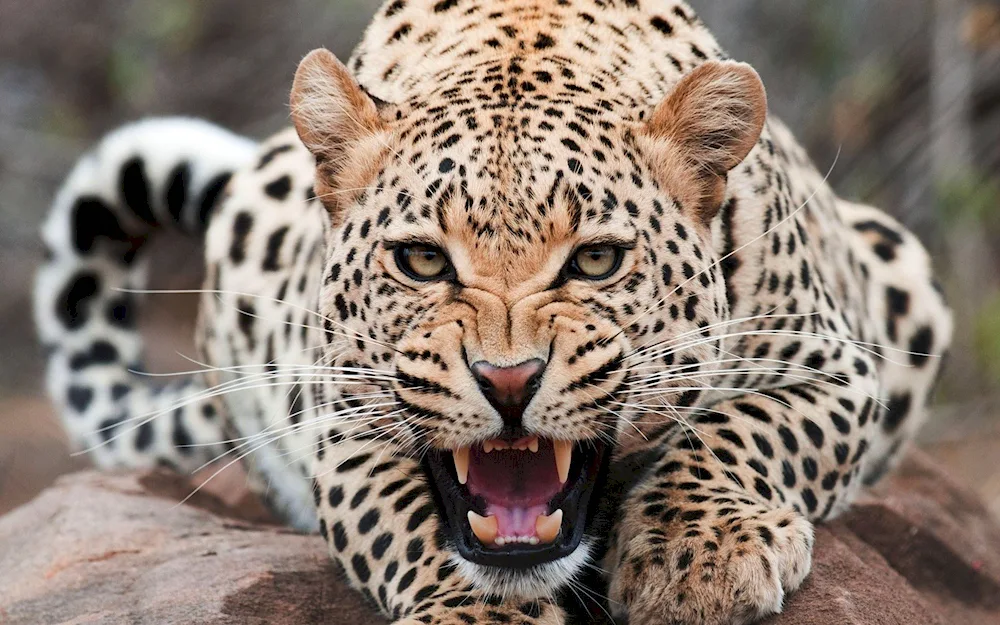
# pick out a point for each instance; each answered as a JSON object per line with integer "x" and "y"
{"x": 767, "y": 349}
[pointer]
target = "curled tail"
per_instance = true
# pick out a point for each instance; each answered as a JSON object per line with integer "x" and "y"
{"x": 159, "y": 173}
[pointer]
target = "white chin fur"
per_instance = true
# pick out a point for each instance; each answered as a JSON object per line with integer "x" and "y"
{"x": 537, "y": 583}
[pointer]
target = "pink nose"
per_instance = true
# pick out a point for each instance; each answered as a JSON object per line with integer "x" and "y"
{"x": 509, "y": 389}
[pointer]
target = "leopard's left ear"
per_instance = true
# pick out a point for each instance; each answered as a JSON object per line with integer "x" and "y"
{"x": 704, "y": 128}
{"x": 341, "y": 126}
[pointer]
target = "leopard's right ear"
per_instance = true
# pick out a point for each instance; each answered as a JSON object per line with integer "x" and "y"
{"x": 340, "y": 125}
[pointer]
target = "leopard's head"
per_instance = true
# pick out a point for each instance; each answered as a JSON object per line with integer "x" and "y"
{"x": 507, "y": 254}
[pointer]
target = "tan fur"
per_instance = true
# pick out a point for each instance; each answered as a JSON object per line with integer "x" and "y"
{"x": 340, "y": 125}
{"x": 707, "y": 126}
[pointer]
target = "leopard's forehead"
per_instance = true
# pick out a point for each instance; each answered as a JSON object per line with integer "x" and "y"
{"x": 624, "y": 54}
{"x": 512, "y": 121}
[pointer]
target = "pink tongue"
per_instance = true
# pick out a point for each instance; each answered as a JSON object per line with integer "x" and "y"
{"x": 516, "y": 521}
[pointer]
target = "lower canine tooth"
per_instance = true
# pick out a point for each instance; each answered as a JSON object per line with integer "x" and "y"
{"x": 547, "y": 527}
{"x": 564, "y": 458}
{"x": 461, "y": 457}
{"x": 485, "y": 528}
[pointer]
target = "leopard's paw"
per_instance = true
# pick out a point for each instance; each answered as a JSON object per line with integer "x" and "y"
{"x": 733, "y": 574}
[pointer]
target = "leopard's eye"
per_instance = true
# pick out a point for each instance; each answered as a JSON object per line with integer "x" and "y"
{"x": 597, "y": 262}
{"x": 422, "y": 262}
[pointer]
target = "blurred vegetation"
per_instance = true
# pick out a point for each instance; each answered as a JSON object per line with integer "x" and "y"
{"x": 900, "y": 99}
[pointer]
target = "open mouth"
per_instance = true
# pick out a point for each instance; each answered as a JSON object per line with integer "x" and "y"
{"x": 520, "y": 503}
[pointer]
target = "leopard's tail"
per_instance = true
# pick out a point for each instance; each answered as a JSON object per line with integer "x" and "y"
{"x": 158, "y": 173}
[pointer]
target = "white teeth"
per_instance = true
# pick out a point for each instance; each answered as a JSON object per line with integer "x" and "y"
{"x": 564, "y": 458}
{"x": 485, "y": 528}
{"x": 461, "y": 457}
{"x": 488, "y": 446}
{"x": 547, "y": 527}
{"x": 510, "y": 540}
{"x": 533, "y": 445}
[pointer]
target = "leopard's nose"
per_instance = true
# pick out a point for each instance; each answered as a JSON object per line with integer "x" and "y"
{"x": 509, "y": 389}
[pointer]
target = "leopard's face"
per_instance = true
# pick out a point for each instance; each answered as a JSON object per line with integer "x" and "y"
{"x": 506, "y": 275}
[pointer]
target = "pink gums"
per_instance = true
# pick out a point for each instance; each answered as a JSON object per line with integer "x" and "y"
{"x": 516, "y": 485}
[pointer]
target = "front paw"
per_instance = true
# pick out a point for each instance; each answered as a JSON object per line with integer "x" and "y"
{"x": 733, "y": 572}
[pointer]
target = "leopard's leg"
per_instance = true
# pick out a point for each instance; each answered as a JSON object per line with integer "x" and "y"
{"x": 379, "y": 518}
{"x": 720, "y": 530}
{"x": 160, "y": 173}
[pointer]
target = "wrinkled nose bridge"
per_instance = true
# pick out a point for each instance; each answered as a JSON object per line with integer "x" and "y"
{"x": 508, "y": 333}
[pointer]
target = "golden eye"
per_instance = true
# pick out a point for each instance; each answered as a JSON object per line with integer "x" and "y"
{"x": 597, "y": 262}
{"x": 422, "y": 262}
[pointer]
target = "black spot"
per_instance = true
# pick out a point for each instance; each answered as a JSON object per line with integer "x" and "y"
{"x": 810, "y": 499}
{"x": 662, "y": 25}
{"x": 352, "y": 463}
{"x": 841, "y": 451}
{"x": 242, "y": 225}
{"x": 380, "y": 545}
{"x": 100, "y": 353}
{"x": 93, "y": 220}
{"x": 897, "y": 409}
{"x": 360, "y": 566}
{"x": 339, "y": 536}
{"x": 762, "y": 488}
{"x": 685, "y": 559}
{"x": 144, "y": 436}
{"x": 178, "y": 182}
{"x": 921, "y": 344}
{"x": 897, "y": 301}
{"x": 270, "y": 155}
{"x": 279, "y": 189}
{"x": 763, "y": 445}
{"x": 181, "y": 438}
{"x": 120, "y": 390}
{"x": 814, "y": 432}
{"x": 406, "y": 579}
{"x": 359, "y": 497}
{"x": 787, "y": 474}
{"x": 368, "y": 521}
{"x": 79, "y": 397}
{"x": 753, "y": 411}
{"x": 210, "y": 196}
{"x": 69, "y": 304}
{"x": 415, "y": 549}
{"x": 274, "y": 243}
{"x": 544, "y": 41}
{"x": 419, "y": 515}
{"x": 335, "y": 496}
{"x": 120, "y": 311}
{"x": 788, "y": 439}
{"x": 135, "y": 189}
{"x": 809, "y": 468}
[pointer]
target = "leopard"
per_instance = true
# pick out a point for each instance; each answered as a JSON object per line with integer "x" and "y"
{"x": 533, "y": 300}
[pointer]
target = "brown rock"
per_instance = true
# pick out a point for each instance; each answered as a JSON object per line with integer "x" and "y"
{"x": 118, "y": 548}
{"x": 98, "y": 548}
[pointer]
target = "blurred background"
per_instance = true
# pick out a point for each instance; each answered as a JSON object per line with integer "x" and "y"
{"x": 899, "y": 99}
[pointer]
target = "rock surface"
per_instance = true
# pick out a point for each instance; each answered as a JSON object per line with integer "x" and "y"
{"x": 121, "y": 549}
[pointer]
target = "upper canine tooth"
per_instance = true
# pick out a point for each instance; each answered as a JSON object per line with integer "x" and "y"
{"x": 487, "y": 446}
{"x": 564, "y": 458}
{"x": 533, "y": 445}
{"x": 485, "y": 528}
{"x": 461, "y": 457}
{"x": 547, "y": 527}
